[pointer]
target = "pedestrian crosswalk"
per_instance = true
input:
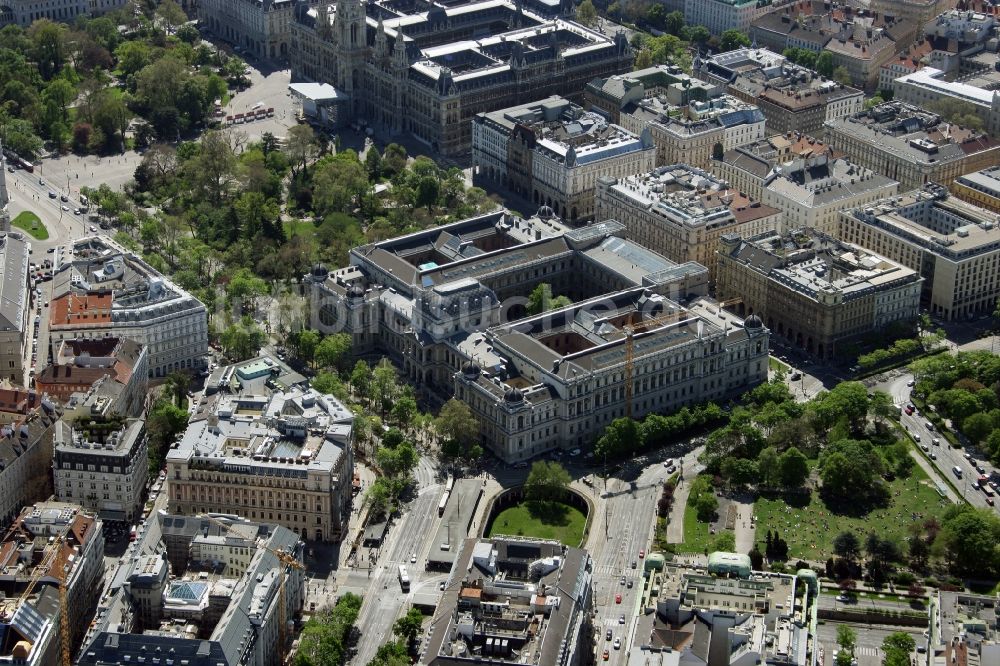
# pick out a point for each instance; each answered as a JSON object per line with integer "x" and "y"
{"x": 866, "y": 651}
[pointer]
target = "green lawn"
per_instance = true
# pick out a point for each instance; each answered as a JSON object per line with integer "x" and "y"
{"x": 696, "y": 534}
{"x": 776, "y": 365}
{"x": 545, "y": 520}
{"x": 810, "y": 529}
{"x": 299, "y": 228}
{"x": 29, "y": 222}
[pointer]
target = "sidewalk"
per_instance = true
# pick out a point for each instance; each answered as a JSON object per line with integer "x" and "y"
{"x": 675, "y": 522}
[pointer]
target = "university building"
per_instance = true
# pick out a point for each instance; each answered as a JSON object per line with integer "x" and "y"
{"x": 448, "y": 305}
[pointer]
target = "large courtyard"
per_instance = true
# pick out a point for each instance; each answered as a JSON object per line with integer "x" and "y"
{"x": 544, "y": 520}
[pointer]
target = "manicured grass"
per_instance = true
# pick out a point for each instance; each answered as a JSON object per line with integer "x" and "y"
{"x": 299, "y": 228}
{"x": 697, "y": 538}
{"x": 810, "y": 529}
{"x": 545, "y": 520}
{"x": 776, "y": 365}
{"x": 29, "y": 222}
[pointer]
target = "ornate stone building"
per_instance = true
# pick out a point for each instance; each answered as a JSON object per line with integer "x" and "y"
{"x": 428, "y": 70}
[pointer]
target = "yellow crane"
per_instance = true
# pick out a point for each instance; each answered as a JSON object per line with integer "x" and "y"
{"x": 43, "y": 568}
{"x": 286, "y": 560}
{"x": 630, "y": 329}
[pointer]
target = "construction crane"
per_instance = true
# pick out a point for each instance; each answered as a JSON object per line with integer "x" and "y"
{"x": 630, "y": 329}
{"x": 43, "y": 568}
{"x": 286, "y": 560}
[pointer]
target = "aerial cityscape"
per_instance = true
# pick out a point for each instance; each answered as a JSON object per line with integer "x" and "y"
{"x": 507, "y": 332}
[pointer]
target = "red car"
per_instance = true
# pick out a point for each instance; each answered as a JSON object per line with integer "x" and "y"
{"x": 909, "y": 411}
{"x": 642, "y": 553}
{"x": 607, "y": 655}
{"x": 618, "y": 598}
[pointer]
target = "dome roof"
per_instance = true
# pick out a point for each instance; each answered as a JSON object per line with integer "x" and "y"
{"x": 546, "y": 213}
{"x": 513, "y": 395}
{"x": 320, "y": 271}
{"x": 753, "y": 321}
{"x": 470, "y": 368}
{"x": 356, "y": 291}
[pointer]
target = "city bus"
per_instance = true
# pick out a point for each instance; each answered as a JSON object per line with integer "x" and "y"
{"x": 404, "y": 579}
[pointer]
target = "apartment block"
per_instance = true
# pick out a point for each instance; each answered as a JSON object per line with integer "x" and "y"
{"x": 284, "y": 456}
{"x": 721, "y": 15}
{"x": 102, "y": 464}
{"x": 509, "y": 596}
{"x": 103, "y": 290}
{"x": 792, "y": 98}
{"x": 929, "y": 85}
{"x": 979, "y": 188}
{"x": 681, "y": 211}
{"x": 910, "y": 145}
{"x": 609, "y": 95}
{"x": 954, "y": 245}
{"x": 807, "y": 180}
{"x": 114, "y": 368}
{"x": 56, "y": 545}
{"x": 261, "y": 28}
{"x": 552, "y": 152}
{"x": 26, "y": 458}
{"x": 198, "y": 611}
{"x": 690, "y": 133}
{"x": 814, "y": 291}
{"x": 15, "y": 306}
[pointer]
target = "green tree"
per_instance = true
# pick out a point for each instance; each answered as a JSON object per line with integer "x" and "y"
{"x": 586, "y": 14}
{"x": 969, "y": 537}
{"x": 361, "y": 378}
{"x": 793, "y": 468}
{"x": 740, "y": 471}
{"x": 328, "y": 383}
{"x": 171, "y": 13}
{"x": 977, "y": 427}
{"x": 456, "y": 423}
{"x": 304, "y": 344}
{"x": 874, "y": 101}
{"x": 165, "y": 424}
{"x": 245, "y": 288}
{"x": 397, "y": 462}
{"x": 541, "y": 300}
{"x": 725, "y": 541}
{"x": 769, "y": 467}
{"x": 48, "y": 46}
{"x": 393, "y": 653}
{"x": 847, "y": 545}
{"x": 673, "y": 23}
{"x": 394, "y": 160}
{"x": 847, "y": 638}
{"x": 546, "y": 481}
{"x": 841, "y": 76}
{"x": 404, "y": 409}
{"x": 324, "y": 638}
{"x": 373, "y": 164}
{"x": 620, "y": 438}
{"x": 242, "y": 340}
{"x": 824, "y": 64}
{"x": 300, "y": 147}
{"x": 177, "y": 384}
{"x": 333, "y": 350}
{"x": 408, "y": 626}
{"x": 338, "y": 182}
{"x": 698, "y": 34}
{"x": 733, "y": 39}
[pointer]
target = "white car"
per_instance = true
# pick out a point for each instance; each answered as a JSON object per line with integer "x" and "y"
{"x": 413, "y": 558}
{"x": 617, "y": 643}
{"x": 669, "y": 462}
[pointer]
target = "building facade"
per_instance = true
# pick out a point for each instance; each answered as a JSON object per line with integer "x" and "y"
{"x": 979, "y": 188}
{"x": 689, "y": 134}
{"x": 102, "y": 465}
{"x": 119, "y": 365}
{"x": 15, "y": 306}
{"x": 721, "y": 15}
{"x": 609, "y": 95}
{"x": 26, "y": 459}
{"x": 681, "y": 211}
{"x": 448, "y": 306}
{"x": 552, "y": 152}
{"x": 224, "y": 615}
{"x": 430, "y": 73}
{"x": 104, "y": 290}
{"x": 504, "y": 586}
{"x": 912, "y": 146}
{"x": 62, "y": 546}
{"x": 792, "y": 98}
{"x": 284, "y": 457}
{"x": 929, "y": 85}
{"x": 815, "y": 291}
{"x": 260, "y": 27}
{"x": 954, "y": 245}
